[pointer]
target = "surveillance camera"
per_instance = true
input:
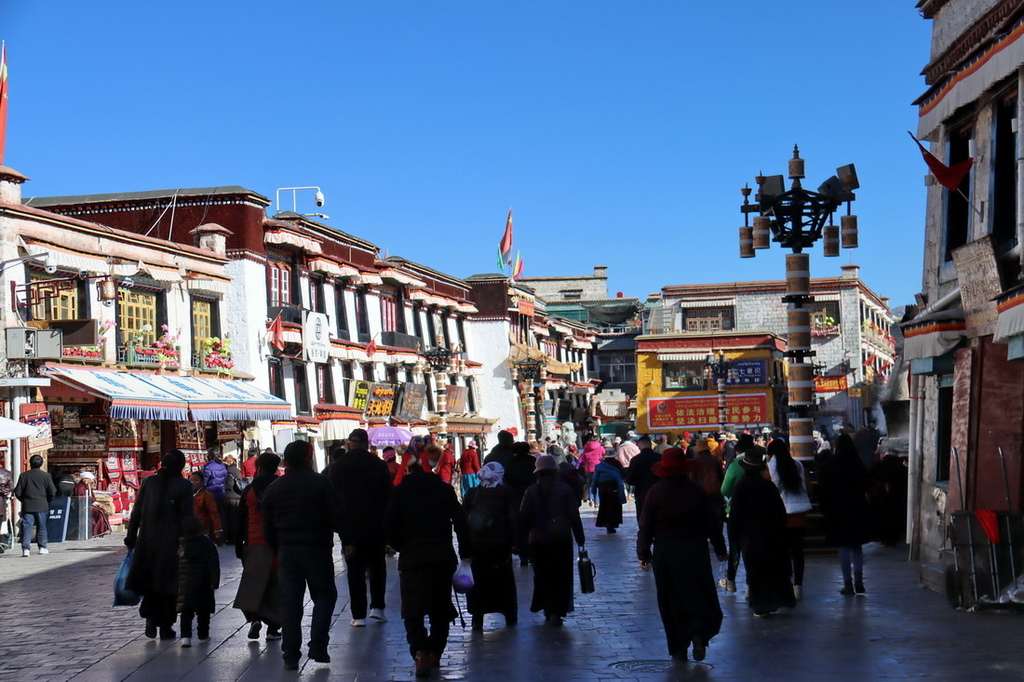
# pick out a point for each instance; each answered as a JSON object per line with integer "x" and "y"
{"x": 319, "y": 198}
{"x": 108, "y": 303}
{"x": 50, "y": 268}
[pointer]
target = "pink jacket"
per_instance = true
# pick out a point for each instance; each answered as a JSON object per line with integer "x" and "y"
{"x": 593, "y": 453}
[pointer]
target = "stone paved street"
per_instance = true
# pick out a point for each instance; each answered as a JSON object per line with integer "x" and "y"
{"x": 58, "y": 625}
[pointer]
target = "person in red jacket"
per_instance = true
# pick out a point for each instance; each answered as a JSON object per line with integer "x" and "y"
{"x": 592, "y": 455}
{"x": 440, "y": 461}
{"x": 469, "y": 467}
{"x": 258, "y": 597}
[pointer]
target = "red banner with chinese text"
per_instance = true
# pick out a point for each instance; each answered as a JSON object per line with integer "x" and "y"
{"x": 829, "y": 384}
{"x": 701, "y": 412}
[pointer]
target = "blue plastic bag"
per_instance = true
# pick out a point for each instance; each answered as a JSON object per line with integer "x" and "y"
{"x": 122, "y": 595}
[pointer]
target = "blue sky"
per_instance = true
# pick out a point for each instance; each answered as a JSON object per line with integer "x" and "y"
{"x": 620, "y": 132}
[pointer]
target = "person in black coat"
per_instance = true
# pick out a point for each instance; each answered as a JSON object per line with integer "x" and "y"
{"x": 35, "y": 490}
{"x": 418, "y": 523}
{"x": 640, "y": 473}
{"x": 492, "y": 514}
{"x": 519, "y": 477}
{"x": 198, "y": 577}
{"x": 502, "y": 452}
{"x": 364, "y": 483}
{"x": 162, "y": 505}
{"x": 757, "y": 523}
{"x": 842, "y": 495}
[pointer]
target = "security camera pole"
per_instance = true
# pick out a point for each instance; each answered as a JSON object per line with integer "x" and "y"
{"x": 796, "y": 219}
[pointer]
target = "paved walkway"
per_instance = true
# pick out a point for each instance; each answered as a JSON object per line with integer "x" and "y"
{"x": 58, "y": 625}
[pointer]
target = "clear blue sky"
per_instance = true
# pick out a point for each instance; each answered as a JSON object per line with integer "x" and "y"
{"x": 620, "y": 132}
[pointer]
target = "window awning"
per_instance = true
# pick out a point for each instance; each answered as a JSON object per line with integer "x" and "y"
{"x": 1011, "y": 316}
{"x": 134, "y": 395}
{"x": 934, "y": 335}
{"x": 222, "y": 399}
{"x": 682, "y": 357}
{"x": 130, "y": 396}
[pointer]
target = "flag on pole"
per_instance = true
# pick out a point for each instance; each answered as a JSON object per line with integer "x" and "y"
{"x": 505, "y": 245}
{"x": 949, "y": 177}
{"x": 3, "y": 99}
{"x": 371, "y": 347}
{"x": 517, "y": 271}
{"x": 277, "y": 333}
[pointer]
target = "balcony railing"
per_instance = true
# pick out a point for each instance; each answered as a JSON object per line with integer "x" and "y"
{"x": 83, "y": 353}
{"x": 149, "y": 356}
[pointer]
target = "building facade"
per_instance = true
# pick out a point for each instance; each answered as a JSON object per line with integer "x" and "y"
{"x": 964, "y": 340}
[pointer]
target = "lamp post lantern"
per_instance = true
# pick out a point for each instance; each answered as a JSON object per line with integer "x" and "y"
{"x": 439, "y": 359}
{"x": 719, "y": 369}
{"x": 796, "y": 218}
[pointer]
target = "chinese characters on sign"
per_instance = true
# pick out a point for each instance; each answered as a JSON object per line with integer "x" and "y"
{"x": 701, "y": 412}
{"x": 830, "y": 384}
{"x": 381, "y": 401}
{"x": 748, "y": 373}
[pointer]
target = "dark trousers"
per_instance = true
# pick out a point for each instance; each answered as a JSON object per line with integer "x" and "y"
{"x": 203, "y": 622}
{"x": 366, "y": 558}
{"x": 419, "y": 639}
{"x": 297, "y": 567}
{"x": 795, "y": 547}
{"x": 734, "y": 558}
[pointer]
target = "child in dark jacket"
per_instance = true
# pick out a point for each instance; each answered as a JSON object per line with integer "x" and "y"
{"x": 198, "y": 577}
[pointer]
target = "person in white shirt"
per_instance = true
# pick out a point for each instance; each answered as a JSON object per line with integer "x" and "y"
{"x": 788, "y": 476}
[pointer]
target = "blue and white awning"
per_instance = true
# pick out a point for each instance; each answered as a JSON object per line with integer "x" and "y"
{"x": 130, "y": 395}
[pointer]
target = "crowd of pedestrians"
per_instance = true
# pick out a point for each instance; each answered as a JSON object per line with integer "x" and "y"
{"x": 522, "y": 502}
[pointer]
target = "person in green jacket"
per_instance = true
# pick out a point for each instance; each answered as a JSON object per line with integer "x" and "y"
{"x": 732, "y": 477}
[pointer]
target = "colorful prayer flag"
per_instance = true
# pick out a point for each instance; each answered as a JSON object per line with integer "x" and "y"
{"x": 371, "y": 348}
{"x": 505, "y": 246}
{"x": 517, "y": 271}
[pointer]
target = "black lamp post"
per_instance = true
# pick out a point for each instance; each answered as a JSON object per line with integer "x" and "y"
{"x": 440, "y": 358}
{"x": 719, "y": 369}
{"x": 796, "y": 218}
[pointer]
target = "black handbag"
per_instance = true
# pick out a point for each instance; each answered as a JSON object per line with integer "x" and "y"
{"x": 588, "y": 571}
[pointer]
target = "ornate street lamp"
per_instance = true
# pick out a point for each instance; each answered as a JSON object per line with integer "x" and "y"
{"x": 719, "y": 369}
{"x": 529, "y": 370}
{"x": 440, "y": 358}
{"x": 796, "y": 218}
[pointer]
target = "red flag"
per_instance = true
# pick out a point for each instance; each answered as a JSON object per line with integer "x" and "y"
{"x": 371, "y": 348}
{"x": 949, "y": 177}
{"x": 3, "y": 100}
{"x": 277, "y": 333}
{"x": 505, "y": 246}
{"x": 989, "y": 523}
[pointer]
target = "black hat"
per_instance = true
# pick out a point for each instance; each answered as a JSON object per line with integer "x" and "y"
{"x": 744, "y": 442}
{"x": 753, "y": 458}
{"x": 359, "y": 436}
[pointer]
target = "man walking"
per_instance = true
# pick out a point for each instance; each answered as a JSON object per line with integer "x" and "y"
{"x": 301, "y": 513}
{"x": 35, "y": 490}
{"x": 364, "y": 483}
{"x": 418, "y": 523}
{"x": 640, "y": 474}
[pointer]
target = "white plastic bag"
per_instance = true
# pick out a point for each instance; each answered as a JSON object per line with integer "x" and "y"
{"x": 462, "y": 581}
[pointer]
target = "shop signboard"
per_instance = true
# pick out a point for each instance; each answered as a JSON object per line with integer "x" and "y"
{"x": 411, "y": 401}
{"x": 316, "y": 340}
{"x": 747, "y": 373}
{"x": 360, "y": 393}
{"x": 456, "y": 398}
{"x": 701, "y": 412}
{"x": 36, "y": 414}
{"x": 830, "y": 384}
{"x": 381, "y": 401}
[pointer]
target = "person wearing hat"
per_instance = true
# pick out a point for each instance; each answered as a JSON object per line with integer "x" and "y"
{"x": 390, "y": 458}
{"x": 679, "y": 520}
{"x": 418, "y": 523}
{"x": 469, "y": 468}
{"x": 609, "y": 489}
{"x": 757, "y": 521}
{"x": 640, "y": 474}
{"x": 732, "y": 475}
{"x": 364, "y": 485}
{"x": 99, "y": 523}
{"x": 550, "y": 513}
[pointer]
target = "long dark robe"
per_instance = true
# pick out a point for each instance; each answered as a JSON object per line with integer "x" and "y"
{"x": 679, "y": 520}
{"x": 493, "y": 524}
{"x": 611, "y": 494}
{"x": 757, "y": 521}
{"x": 842, "y": 493}
{"x": 544, "y": 502}
{"x": 164, "y": 501}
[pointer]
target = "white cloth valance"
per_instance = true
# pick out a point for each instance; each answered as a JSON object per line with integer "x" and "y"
{"x": 682, "y": 357}
{"x": 1011, "y": 318}
{"x": 291, "y": 239}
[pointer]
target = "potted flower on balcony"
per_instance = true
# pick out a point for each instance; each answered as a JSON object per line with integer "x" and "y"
{"x": 163, "y": 352}
{"x": 825, "y": 325}
{"x": 215, "y": 354}
{"x": 94, "y": 352}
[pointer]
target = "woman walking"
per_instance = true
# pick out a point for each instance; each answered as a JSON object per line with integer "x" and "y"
{"x": 679, "y": 519}
{"x": 551, "y": 514}
{"x": 493, "y": 519}
{"x": 258, "y": 595}
{"x": 788, "y": 476}
{"x": 469, "y": 468}
{"x": 608, "y": 488}
{"x": 843, "y": 498}
{"x": 163, "y": 503}
{"x": 757, "y": 522}
{"x": 593, "y": 453}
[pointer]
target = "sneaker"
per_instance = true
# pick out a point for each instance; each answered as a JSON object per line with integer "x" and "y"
{"x": 204, "y": 640}
{"x": 291, "y": 665}
{"x": 273, "y": 634}
{"x": 43, "y": 550}
{"x": 319, "y": 656}
{"x": 378, "y": 615}
{"x": 798, "y": 592}
{"x": 186, "y": 642}
{"x": 254, "y": 629}
{"x": 26, "y": 553}
{"x": 358, "y": 622}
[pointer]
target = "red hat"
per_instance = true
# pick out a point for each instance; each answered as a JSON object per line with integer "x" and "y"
{"x": 674, "y": 463}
